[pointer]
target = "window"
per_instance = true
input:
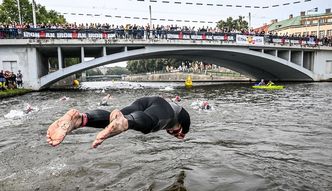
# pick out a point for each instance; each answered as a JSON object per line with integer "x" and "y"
{"x": 329, "y": 33}
{"x": 314, "y": 33}
{"x": 321, "y": 33}
{"x": 10, "y": 65}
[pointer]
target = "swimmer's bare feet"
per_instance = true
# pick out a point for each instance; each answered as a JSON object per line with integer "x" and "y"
{"x": 118, "y": 124}
{"x": 60, "y": 128}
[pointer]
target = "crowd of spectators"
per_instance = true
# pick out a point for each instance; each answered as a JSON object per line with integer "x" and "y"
{"x": 14, "y": 30}
{"x": 10, "y": 80}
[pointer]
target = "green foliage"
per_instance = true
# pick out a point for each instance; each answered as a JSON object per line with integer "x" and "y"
{"x": 152, "y": 65}
{"x": 69, "y": 61}
{"x": 9, "y": 13}
{"x": 117, "y": 71}
{"x": 230, "y": 24}
{"x": 13, "y": 92}
{"x": 93, "y": 72}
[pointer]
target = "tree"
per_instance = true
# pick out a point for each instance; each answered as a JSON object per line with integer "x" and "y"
{"x": 117, "y": 71}
{"x": 230, "y": 24}
{"x": 9, "y": 13}
{"x": 152, "y": 65}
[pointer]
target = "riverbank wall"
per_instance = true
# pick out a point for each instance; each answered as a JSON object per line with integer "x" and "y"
{"x": 180, "y": 76}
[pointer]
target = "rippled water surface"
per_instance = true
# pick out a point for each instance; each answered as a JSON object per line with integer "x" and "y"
{"x": 250, "y": 140}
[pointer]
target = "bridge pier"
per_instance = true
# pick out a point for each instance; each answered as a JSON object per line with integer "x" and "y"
{"x": 60, "y": 59}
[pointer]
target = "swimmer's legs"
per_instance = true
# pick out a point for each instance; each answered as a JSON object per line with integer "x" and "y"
{"x": 118, "y": 124}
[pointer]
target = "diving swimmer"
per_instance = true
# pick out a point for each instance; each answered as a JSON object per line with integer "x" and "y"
{"x": 146, "y": 114}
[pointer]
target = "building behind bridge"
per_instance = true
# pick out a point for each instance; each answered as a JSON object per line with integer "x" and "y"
{"x": 319, "y": 25}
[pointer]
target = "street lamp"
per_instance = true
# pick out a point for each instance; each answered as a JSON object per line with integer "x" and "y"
{"x": 19, "y": 12}
{"x": 34, "y": 14}
{"x": 150, "y": 16}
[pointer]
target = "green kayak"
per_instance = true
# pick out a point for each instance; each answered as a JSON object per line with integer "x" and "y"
{"x": 269, "y": 87}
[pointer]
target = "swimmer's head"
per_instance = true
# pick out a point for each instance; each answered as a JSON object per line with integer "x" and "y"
{"x": 184, "y": 120}
{"x": 177, "y": 98}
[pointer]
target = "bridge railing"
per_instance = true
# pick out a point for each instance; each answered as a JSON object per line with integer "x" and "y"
{"x": 13, "y": 33}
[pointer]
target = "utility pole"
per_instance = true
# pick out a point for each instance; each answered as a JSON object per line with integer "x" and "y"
{"x": 19, "y": 12}
{"x": 34, "y": 14}
{"x": 150, "y": 16}
{"x": 318, "y": 27}
{"x": 249, "y": 20}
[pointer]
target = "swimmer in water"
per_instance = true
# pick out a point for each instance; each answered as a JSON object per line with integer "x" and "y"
{"x": 104, "y": 101}
{"x": 64, "y": 98}
{"x": 201, "y": 105}
{"x": 28, "y": 109}
{"x": 176, "y": 99}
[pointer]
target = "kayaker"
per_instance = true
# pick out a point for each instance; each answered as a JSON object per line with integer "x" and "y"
{"x": 261, "y": 83}
{"x": 270, "y": 83}
{"x": 147, "y": 114}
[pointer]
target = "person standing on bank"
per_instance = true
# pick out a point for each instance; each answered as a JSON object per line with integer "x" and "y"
{"x": 146, "y": 114}
{"x": 19, "y": 78}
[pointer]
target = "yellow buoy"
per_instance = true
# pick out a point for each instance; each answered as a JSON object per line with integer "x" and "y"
{"x": 76, "y": 83}
{"x": 188, "y": 83}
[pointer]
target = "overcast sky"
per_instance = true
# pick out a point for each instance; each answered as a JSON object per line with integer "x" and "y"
{"x": 180, "y": 12}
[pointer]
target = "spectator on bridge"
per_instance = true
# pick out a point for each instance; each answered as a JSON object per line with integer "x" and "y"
{"x": 147, "y": 114}
{"x": 19, "y": 80}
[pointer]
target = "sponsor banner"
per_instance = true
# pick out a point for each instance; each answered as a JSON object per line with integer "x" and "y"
{"x": 68, "y": 35}
{"x": 186, "y": 37}
{"x": 31, "y": 35}
{"x": 305, "y": 41}
{"x": 172, "y": 36}
{"x": 248, "y": 39}
{"x": 197, "y": 37}
{"x": 209, "y": 37}
{"x": 223, "y": 37}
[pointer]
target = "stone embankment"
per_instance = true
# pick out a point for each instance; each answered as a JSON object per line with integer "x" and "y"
{"x": 179, "y": 76}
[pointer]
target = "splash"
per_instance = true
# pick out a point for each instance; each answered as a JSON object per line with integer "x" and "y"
{"x": 14, "y": 114}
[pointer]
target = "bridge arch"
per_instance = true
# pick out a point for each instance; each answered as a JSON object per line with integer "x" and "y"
{"x": 249, "y": 62}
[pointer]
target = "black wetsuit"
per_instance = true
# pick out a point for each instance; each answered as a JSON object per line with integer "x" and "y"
{"x": 147, "y": 114}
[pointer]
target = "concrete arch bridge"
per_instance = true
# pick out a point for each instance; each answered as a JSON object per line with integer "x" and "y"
{"x": 275, "y": 62}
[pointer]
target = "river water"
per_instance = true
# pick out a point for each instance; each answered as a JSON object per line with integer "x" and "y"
{"x": 250, "y": 140}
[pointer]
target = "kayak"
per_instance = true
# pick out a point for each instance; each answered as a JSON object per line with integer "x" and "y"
{"x": 269, "y": 87}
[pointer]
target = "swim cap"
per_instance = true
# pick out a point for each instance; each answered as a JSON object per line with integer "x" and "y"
{"x": 177, "y": 98}
{"x": 184, "y": 120}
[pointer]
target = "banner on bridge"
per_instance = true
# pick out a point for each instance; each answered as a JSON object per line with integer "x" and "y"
{"x": 68, "y": 35}
{"x": 248, "y": 39}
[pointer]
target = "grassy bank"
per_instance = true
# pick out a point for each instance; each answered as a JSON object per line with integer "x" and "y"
{"x": 13, "y": 92}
